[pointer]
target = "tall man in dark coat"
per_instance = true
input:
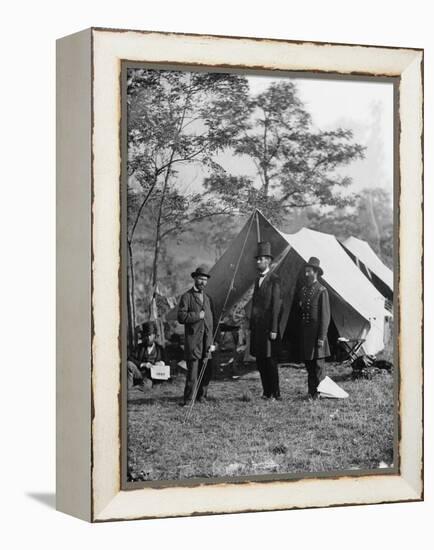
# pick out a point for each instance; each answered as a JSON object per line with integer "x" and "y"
{"x": 264, "y": 321}
{"x": 314, "y": 316}
{"x": 196, "y": 313}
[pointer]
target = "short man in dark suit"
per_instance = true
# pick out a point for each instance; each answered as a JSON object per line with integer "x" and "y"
{"x": 196, "y": 313}
{"x": 264, "y": 322}
{"x": 314, "y": 317}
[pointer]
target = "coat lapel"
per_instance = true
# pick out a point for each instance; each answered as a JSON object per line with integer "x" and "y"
{"x": 197, "y": 300}
{"x": 257, "y": 287}
{"x": 265, "y": 282}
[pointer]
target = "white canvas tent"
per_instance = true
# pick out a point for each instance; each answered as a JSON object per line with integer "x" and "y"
{"x": 357, "y": 308}
{"x": 371, "y": 265}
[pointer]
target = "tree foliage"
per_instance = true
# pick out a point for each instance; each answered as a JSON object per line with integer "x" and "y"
{"x": 297, "y": 165}
{"x": 178, "y": 119}
{"x": 175, "y": 118}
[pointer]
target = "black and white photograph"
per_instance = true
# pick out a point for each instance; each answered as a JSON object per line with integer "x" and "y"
{"x": 259, "y": 254}
{"x": 217, "y": 220}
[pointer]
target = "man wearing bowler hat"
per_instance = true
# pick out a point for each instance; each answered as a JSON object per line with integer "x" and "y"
{"x": 196, "y": 313}
{"x": 264, "y": 322}
{"x": 314, "y": 316}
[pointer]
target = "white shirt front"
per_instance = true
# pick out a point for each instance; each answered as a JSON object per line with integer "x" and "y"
{"x": 262, "y": 276}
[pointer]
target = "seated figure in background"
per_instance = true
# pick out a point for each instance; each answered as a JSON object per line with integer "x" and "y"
{"x": 146, "y": 353}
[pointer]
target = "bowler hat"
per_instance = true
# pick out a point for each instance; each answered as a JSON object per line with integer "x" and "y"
{"x": 264, "y": 249}
{"x": 201, "y": 271}
{"x": 314, "y": 264}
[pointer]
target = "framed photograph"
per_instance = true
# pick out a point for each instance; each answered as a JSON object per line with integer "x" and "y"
{"x": 239, "y": 274}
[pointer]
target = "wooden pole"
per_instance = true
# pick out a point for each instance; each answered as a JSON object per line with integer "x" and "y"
{"x": 258, "y": 229}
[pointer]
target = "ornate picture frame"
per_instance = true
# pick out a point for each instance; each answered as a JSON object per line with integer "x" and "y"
{"x": 90, "y": 422}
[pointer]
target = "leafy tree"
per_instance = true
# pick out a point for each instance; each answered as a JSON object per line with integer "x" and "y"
{"x": 175, "y": 118}
{"x": 297, "y": 165}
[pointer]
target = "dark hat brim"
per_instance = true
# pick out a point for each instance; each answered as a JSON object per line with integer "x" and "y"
{"x": 264, "y": 256}
{"x": 195, "y": 274}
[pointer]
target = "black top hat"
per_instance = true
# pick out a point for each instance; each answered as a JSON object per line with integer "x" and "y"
{"x": 264, "y": 249}
{"x": 201, "y": 271}
{"x": 148, "y": 327}
{"x": 314, "y": 264}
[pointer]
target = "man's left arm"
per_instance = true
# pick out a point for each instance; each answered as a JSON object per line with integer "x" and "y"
{"x": 215, "y": 321}
{"x": 275, "y": 308}
{"x": 324, "y": 317}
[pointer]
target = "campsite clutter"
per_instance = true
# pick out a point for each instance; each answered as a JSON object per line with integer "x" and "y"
{"x": 359, "y": 290}
{"x": 368, "y": 367}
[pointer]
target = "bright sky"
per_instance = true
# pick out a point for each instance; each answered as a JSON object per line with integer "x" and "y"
{"x": 366, "y": 107}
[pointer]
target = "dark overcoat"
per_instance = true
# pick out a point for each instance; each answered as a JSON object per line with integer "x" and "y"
{"x": 265, "y": 314}
{"x": 198, "y": 332}
{"x": 314, "y": 319}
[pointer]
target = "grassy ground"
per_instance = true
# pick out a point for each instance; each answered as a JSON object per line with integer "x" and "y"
{"x": 237, "y": 433}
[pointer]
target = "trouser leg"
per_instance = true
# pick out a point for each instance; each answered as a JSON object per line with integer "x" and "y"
{"x": 134, "y": 374}
{"x": 273, "y": 377}
{"x": 311, "y": 378}
{"x": 190, "y": 381}
{"x": 262, "y": 367}
{"x": 206, "y": 378}
{"x": 320, "y": 370}
{"x": 315, "y": 373}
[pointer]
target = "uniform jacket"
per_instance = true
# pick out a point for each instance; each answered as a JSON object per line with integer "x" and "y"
{"x": 198, "y": 332}
{"x": 314, "y": 319}
{"x": 264, "y": 318}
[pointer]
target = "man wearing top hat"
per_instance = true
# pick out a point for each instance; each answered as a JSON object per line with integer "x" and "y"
{"x": 196, "y": 313}
{"x": 264, "y": 321}
{"x": 314, "y": 316}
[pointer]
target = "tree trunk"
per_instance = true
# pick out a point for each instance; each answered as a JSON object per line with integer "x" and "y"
{"x": 156, "y": 256}
{"x": 158, "y": 232}
{"x": 376, "y": 232}
{"x": 131, "y": 303}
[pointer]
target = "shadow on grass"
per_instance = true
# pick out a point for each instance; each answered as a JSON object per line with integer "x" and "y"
{"x": 142, "y": 400}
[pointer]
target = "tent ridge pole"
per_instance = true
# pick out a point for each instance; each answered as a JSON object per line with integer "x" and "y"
{"x": 258, "y": 229}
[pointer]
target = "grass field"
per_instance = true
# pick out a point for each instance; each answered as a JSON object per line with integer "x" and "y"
{"x": 236, "y": 433}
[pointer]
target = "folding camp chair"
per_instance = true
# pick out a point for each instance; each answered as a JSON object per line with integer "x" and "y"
{"x": 351, "y": 347}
